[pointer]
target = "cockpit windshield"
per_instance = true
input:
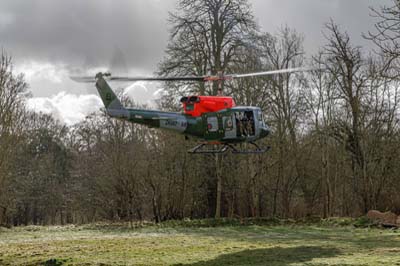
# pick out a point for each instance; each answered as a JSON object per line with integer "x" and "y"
{"x": 261, "y": 117}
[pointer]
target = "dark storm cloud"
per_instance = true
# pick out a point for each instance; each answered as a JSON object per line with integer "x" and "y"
{"x": 131, "y": 35}
{"x": 101, "y": 32}
{"x": 85, "y": 32}
{"x": 309, "y": 16}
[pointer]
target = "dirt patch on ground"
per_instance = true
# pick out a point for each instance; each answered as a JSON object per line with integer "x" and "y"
{"x": 383, "y": 217}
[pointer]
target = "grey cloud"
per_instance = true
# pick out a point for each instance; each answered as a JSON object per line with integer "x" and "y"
{"x": 89, "y": 33}
{"x": 309, "y": 17}
{"x": 131, "y": 35}
{"x": 85, "y": 32}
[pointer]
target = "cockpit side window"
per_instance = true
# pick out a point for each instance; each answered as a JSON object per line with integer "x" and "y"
{"x": 261, "y": 117}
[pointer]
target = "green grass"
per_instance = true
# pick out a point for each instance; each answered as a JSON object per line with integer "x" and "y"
{"x": 176, "y": 244}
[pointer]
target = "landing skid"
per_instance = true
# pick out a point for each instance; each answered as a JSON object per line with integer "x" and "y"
{"x": 257, "y": 149}
{"x": 204, "y": 148}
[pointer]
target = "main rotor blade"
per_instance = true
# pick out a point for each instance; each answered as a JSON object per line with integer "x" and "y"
{"x": 83, "y": 79}
{"x": 210, "y": 78}
{"x": 182, "y": 78}
{"x": 272, "y": 72}
{"x": 88, "y": 79}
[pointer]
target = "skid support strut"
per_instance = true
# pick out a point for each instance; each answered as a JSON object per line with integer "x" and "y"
{"x": 204, "y": 148}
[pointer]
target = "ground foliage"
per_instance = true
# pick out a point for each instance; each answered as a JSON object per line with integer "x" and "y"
{"x": 191, "y": 244}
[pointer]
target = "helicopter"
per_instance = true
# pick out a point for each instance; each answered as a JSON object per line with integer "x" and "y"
{"x": 215, "y": 120}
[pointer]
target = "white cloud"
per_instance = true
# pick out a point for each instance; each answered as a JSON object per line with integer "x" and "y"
{"x": 68, "y": 108}
{"x": 70, "y": 102}
{"x": 36, "y": 71}
{"x": 159, "y": 93}
{"x": 72, "y": 108}
{"x": 139, "y": 93}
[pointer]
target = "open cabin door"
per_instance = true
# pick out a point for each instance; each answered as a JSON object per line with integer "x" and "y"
{"x": 245, "y": 123}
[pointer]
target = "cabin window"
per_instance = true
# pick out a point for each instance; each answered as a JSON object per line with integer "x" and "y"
{"x": 212, "y": 124}
{"x": 228, "y": 123}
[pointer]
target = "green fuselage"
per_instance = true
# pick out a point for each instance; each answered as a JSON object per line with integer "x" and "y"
{"x": 238, "y": 124}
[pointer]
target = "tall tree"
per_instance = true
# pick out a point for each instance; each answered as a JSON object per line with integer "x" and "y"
{"x": 365, "y": 101}
{"x": 12, "y": 113}
{"x": 285, "y": 110}
{"x": 345, "y": 63}
{"x": 205, "y": 38}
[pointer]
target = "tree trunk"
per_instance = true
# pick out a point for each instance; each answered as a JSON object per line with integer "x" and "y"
{"x": 218, "y": 172}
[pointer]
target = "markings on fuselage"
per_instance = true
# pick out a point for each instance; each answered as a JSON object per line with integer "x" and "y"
{"x": 175, "y": 124}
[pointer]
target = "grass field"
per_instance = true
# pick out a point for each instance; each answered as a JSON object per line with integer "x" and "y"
{"x": 178, "y": 245}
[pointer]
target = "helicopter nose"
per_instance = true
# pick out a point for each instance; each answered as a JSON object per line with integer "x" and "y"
{"x": 264, "y": 132}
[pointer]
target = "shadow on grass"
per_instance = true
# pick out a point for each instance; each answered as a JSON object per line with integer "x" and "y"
{"x": 271, "y": 256}
{"x": 308, "y": 235}
{"x": 374, "y": 242}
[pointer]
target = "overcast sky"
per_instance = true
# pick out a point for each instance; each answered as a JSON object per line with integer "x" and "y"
{"x": 50, "y": 39}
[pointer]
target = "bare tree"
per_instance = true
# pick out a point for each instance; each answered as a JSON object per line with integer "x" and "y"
{"x": 205, "y": 38}
{"x": 284, "y": 110}
{"x": 365, "y": 101}
{"x": 12, "y": 113}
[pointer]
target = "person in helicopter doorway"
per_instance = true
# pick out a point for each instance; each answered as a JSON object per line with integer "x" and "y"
{"x": 244, "y": 121}
{"x": 237, "y": 123}
{"x": 249, "y": 123}
{"x": 240, "y": 127}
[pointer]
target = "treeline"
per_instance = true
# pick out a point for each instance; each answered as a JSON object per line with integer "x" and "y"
{"x": 335, "y": 132}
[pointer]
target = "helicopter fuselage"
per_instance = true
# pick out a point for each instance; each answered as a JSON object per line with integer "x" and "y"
{"x": 226, "y": 126}
{"x": 231, "y": 125}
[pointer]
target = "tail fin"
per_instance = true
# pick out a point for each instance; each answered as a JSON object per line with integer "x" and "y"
{"x": 107, "y": 95}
